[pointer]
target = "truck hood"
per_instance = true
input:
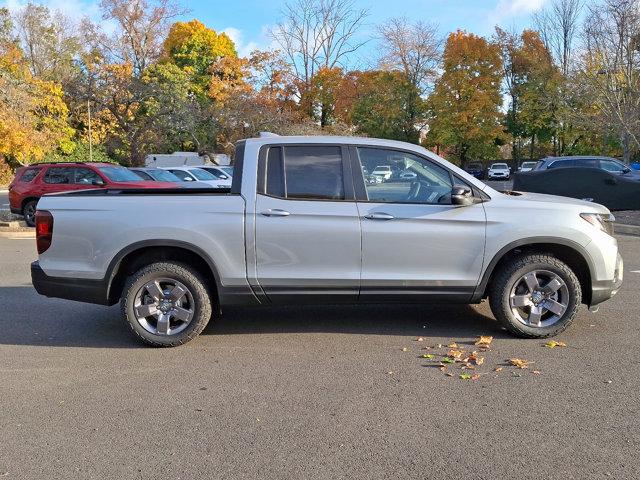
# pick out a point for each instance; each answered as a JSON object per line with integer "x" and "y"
{"x": 544, "y": 198}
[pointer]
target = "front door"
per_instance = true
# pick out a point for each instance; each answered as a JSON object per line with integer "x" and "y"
{"x": 307, "y": 225}
{"x": 414, "y": 241}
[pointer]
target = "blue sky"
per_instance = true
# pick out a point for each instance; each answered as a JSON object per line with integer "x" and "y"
{"x": 247, "y": 21}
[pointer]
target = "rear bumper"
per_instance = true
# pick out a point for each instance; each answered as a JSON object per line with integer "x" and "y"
{"x": 603, "y": 291}
{"x": 78, "y": 289}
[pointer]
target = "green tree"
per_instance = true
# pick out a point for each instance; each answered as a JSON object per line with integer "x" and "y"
{"x": 465, "y": 105}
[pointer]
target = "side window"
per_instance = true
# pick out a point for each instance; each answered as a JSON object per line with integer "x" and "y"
{"x": 399, "y": 177}
{"x": 611, "y": 166}
{"x": 86, "y": 176}
{"x": 182, "y": 175}
{"x": 29, "y": 174}
{"x": 59, "y": 175}
{"x": 586, "y": 162}
{"x": 304, "y": 173}
{"x": 562, "y": 164}
{"x": 143, "y": 175}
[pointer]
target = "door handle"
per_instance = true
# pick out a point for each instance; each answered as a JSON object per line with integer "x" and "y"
{"x": 275, "y": 212}
{"x": 379, "y": 216}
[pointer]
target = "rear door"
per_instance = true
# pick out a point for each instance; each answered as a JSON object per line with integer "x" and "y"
{"x": 415, "y": 243}
{"x": 307, "y": 224}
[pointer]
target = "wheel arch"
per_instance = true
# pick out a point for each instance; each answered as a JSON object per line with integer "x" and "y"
{"x": 137, "y": 255}
{"x": 28, "y": 199}
{"x": 571, "y": 253}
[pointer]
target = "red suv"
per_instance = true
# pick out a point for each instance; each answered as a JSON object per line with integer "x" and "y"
{"x": 34, "y": 181}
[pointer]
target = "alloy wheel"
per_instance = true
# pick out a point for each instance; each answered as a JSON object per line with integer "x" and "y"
{"x": 539, "y": 298}
{"x": 164, "y": 306}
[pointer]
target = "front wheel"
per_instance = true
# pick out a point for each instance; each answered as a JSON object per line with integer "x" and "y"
{"x": 29, "y": 212}
{"x": 535, "y": 296}
{"x": 166, "y": 304}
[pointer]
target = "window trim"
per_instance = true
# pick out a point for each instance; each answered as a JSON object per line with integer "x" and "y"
{"x": 361, "y": 188}
{"x": 38, "y": 170}
{"x": 347, "y": 177}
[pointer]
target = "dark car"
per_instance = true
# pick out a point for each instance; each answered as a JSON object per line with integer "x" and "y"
{"x": 603, "y": 163}
{"x": 159, "y": 175}
{"x": 32, "y": 182}
{"x": 475, "y": 168}
{"x": 609, "y": 189}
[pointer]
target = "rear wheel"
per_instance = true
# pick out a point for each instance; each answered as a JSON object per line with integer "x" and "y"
{"x": 29, "y": 212}
{"x": 166, "y": 304}
{"x": 535, "y": 296}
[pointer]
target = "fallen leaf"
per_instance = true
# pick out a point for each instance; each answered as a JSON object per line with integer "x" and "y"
{"x": 449, "y": 374}
{"x": 499, "y": 369}
{"x": 484, "y": 340}
{"x": 447, "y": 360}
{"x": 455, "y": 354}
{"x": 474, "y": 358}
{"x": 405, "y": 349}
{"x": 469, "y": 366}
{"x": 453, "y": 345}
{"x": 520, "y": 363}
{"x": 536, "y": 372}
{"x": 419, "y": 339}
{"x": 475, "y": 377}
{"x": 465, "y": 376}
{"x": 554, "y": 344}
{"x": 439, "y": 345}
{"x": 427, "y": 355}
{"x": 443, "y": 368}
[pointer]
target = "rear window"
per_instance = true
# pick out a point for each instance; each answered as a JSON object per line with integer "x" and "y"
{"x": 29, "y": 174}
{"x": 59, "y": 175}
{"x": 562, "y": 164}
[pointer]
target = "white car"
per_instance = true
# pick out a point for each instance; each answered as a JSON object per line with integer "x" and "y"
{"x": 499, "y": 170}
{"x": 527, "y": 166}
{"x": 383, "y": 171}
{"x": 222, "y": 175}
{"x": 408, "y": 175}
{"x": 197, "y": 174}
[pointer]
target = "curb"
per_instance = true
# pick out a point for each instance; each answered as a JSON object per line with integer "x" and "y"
{"x": 626, "y": 229}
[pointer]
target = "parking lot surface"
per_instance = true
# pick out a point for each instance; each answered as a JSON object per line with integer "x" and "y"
{"x": 314, "y": 392}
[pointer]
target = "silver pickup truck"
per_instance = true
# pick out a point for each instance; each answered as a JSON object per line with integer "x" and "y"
{"x": 304, "y": 221}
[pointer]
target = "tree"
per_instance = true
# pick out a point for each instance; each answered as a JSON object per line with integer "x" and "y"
{"x": 322, "y": 93}
{"x": 317, "y": 34}
{"x": 465, "y": 105}
{"x": 611, "y": 68}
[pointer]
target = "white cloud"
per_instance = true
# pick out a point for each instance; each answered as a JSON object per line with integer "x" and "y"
{"x": 507, "y": 9}
{"x": 244, "y": 49}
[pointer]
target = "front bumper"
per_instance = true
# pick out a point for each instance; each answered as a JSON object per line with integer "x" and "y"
{"x": 78, "y": 289}
{"x": 604, "y": 290}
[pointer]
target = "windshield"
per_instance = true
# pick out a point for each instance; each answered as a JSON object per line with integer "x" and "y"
{"x": 120, "y": 174}
{"x": 201, "y": 174}
{"x": 163, "y": 176}
{"x": 499, "y": 166}
{"x": 528, "y": 164}
{"x": 227, "y": 170}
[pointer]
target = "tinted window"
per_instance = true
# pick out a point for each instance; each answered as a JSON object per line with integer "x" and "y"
{"x": 586, "y": 162}
{"x": 274, "y": 173}
{"x": 120, "y": 174}
{"x": 313, "y": 173}
{"x": 142, "y": 175}
{"x": 611, "y": 166}
{"x": 86, "y": 176}
{"x": 29, "y": 174}
{"x": 421, "y": 180}
{"x": 201, "y": 174}
{"x": 562, "y": 164}
{"x": 162, "y": 176}
{"x": 59, "y": 175}
{"x": 216, "y": 173}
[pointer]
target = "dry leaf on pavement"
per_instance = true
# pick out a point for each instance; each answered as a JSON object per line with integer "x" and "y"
{"x": 484, "y": 340}
{"x": 554, "y": 344}
{"x": 520, "y": 363}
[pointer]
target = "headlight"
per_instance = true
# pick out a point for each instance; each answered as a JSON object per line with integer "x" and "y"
{"x": 601, "y": 221}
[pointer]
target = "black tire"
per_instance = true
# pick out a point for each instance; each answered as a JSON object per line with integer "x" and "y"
{"x": 197, "y": 289}
{"x": 29, "y": 212}
{"x": 512, "y": 272}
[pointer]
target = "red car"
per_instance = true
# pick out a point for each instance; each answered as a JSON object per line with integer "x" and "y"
{"x": 34, "y": 181}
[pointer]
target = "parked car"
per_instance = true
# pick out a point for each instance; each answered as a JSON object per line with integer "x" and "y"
{"x": 32, "y": 182}
{"x": 475, "y": 168}
{"x": 159, "y": 175}
{"x": 382, "y": 171}
{"x": 302, "y": 225}
{"x": 499, "y": 170}
{"x": 408, "y": 175}
{"x": 373, "y": 179}
{"x": 218, "y": 172}
{"x": 527, "y": 166}
{"x": 197, "y": 174}
{"x": 603, "y": 163}
{"x": 612, "y": 190}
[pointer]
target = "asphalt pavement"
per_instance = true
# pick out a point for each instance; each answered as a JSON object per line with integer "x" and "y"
{"x": 4, "y": 199}
{"x": 312, "y": 393}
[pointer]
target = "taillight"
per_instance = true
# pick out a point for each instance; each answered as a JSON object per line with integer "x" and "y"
{"x": 44, "y": 230}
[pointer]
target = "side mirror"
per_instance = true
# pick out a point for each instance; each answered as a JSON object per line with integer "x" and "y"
{"x": 626, "y": 170}
{"x": 97, "y": 182}
{"x": 461, "y": 195}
